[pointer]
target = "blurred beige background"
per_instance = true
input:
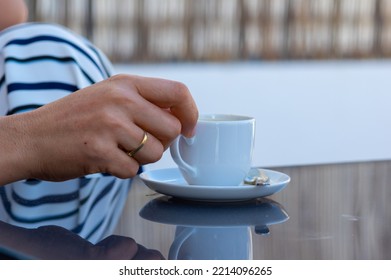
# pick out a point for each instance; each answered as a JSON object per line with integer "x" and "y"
{"x": 221, "y": 30}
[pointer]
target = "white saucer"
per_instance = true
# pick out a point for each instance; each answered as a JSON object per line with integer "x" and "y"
{"x": 171, "y": 182}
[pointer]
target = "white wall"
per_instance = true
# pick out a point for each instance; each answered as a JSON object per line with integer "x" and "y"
{"x": 306, "y": 112}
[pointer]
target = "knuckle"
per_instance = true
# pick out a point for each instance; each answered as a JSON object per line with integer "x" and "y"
{"x": 157, "y": 154}
{"x": 153, "y": 153}
{"x": 120, "y": 86}
{"x": 174, "y": 129}
{"x": 180, "y": 88}
{"x": 119, "y": 77}
{"x": 177, "y": 128}
{"x": 112, "y": 122}
{"x": 93, "y": 149}
{"x": 125, "y": 173}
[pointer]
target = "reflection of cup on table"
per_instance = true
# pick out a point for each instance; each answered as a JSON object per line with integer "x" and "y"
{"x": 212, "y": 243}
{"x": 220, "y": 153}
{"x": 214, "y": 230}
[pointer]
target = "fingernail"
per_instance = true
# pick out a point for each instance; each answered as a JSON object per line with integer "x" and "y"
{"x": 190, "y": 133}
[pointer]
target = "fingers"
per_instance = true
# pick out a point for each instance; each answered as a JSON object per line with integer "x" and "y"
{"x": 162, "y": 108}
{"x": 147, "y": 254}
{"x": 117, "y": 247}
{"x": 133, "y": 144}
{"x": 120, "y": 165}
{"x": 112, "y": 150}
{"x": 162, "y": 124}
{"x": 171, "y": 95}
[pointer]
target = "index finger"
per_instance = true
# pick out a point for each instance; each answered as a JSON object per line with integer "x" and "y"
{"x": 171, "y": 95}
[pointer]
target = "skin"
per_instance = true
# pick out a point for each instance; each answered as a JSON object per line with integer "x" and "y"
{"x": 12, "y": 12}
{"x": 90, "y": 130}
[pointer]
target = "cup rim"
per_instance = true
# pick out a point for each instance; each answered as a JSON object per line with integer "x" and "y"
{"x": 223, "y": 118}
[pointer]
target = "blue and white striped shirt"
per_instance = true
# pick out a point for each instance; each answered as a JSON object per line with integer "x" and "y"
{"x": 40, "y": 63}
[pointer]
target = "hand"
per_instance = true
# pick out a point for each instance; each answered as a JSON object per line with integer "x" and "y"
{"x": 57, "y": 243}
{"x": 89, "y": 131}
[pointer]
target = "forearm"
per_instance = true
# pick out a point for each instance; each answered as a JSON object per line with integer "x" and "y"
{"x": 12, "y": 149}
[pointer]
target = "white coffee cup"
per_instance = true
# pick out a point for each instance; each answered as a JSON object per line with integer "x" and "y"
{"x": 220, "y": 153}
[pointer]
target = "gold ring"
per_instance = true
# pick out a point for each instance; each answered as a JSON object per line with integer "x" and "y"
{"x": 133, "y": 152}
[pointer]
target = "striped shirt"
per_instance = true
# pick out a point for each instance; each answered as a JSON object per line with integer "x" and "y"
{"x": 40, "y": 63}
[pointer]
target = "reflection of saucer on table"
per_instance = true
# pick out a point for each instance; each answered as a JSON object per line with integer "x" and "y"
{"x": 256, "y": 212}
{"x": 214, "y": 230}
{"x": 171, "y": 182}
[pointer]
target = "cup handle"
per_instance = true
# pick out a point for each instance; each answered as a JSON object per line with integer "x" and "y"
{"x": 178, "y": 242}
{"x": 176, "y": 156}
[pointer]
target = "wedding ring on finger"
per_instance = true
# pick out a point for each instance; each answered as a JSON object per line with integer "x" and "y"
{"x": 142, "y": 143}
